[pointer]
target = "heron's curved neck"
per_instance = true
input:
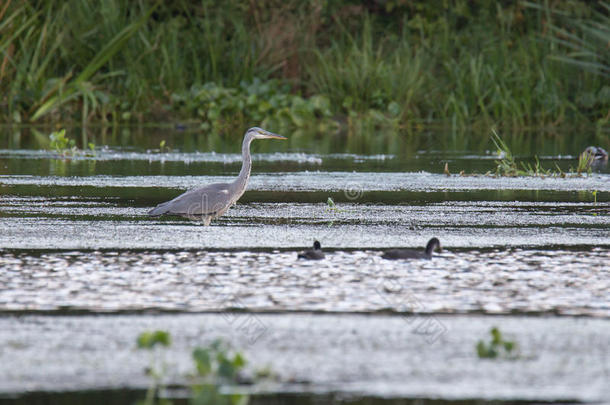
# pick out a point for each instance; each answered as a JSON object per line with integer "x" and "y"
{"x": 242, "y": 180}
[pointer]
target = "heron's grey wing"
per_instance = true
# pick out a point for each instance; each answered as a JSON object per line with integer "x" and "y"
{"x": 206, "y": 200}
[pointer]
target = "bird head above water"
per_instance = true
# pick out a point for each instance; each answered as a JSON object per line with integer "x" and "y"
{"x": 312, "y": 254}
{"x": 394, "y": 254}
{"x": 433, "y": 244}
{"x": 259, "y": 133}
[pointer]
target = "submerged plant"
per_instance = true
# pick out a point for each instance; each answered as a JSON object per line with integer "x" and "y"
{"x": 507, "y": 165}
{"x": 60, "y": 143}
{"x": 163, "y": 147}
{"x": 217, "y": 367}
{"x": 585, "y": 161}
{"x": 153, "y": 341}
{"x": 498, "y": 347}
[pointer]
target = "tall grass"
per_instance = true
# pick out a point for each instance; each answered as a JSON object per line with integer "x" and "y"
{"x": 359, "y": 73}
{"x": 585, "y": 38}
{"x": 110, "y": 56}
{"x": 465, "y": 65}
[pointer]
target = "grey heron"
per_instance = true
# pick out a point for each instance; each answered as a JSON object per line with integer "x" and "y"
{"x": 212, "y": 201}
{"x": 312, "y": 254}
{"x": 395, "y": 254}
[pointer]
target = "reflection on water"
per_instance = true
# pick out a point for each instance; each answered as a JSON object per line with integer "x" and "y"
{"x": 74, "y": 236}
{"x": 402, "y": 143}
{"x": 496, "y": 281}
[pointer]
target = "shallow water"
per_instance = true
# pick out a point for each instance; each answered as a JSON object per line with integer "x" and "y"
{"x": 495, "y": 282}
{"x": 75, "y": 237}
{"x": 560, "y": 358}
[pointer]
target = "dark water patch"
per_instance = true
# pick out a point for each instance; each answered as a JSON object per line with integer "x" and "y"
{"x": 438, "y": 141}
{"x": 110, "y": 162}
{"x": 130, "y": 396}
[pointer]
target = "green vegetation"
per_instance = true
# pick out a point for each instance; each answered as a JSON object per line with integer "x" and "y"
{"x": 216, "y": 368}
{"x": 305, "y": 64}
{"x": 67, "y": 147}
{"x": 507, "y": 165}
{"x": 585, "y": 39}
{"x": 153, "y": 342}
{"x": 150, "y": 340}
{"x": 497, "y": 347}
{"x": 331, "y": 206}
{"x": 268, "y": 103}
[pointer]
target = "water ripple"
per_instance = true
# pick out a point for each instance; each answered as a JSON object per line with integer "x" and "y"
{"x": 494, "y": 282}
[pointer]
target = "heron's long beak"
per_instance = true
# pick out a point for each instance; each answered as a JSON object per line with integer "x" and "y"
{"x": 271, "y": 135}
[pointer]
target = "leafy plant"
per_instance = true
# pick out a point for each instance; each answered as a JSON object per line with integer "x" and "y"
{"x": 153, "y": 341}
{"x": 268, "y": 103}
{"x": 331, "y": 204}
{"x": 585, "y": 161}
{"x": 150, "y": 340}
{"x": 163, "y": 147}
{"x": 313, "y": 65}
{"x": 60, "y": 143}
{"x": 217, "y": 366}
{"x": 498, "y": 347}
{"x": 507, "y": 166}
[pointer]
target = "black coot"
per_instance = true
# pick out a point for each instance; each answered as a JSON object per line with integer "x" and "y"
{"x": 395, "y": 254}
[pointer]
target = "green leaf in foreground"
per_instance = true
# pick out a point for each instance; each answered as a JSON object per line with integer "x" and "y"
{"x": 148, "y": 340}
{"x": 498, "y": 347}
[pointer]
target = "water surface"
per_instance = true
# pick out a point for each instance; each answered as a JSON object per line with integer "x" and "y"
{"x": 75, "y": 238}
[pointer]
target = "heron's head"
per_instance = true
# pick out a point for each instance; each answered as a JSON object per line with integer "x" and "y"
{"x": 259, "y": 133}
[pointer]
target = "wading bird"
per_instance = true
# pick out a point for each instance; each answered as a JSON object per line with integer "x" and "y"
{"x": 396, "y": 254}
{"x": 212, "y": 201}
{"x": 312, "y": 254}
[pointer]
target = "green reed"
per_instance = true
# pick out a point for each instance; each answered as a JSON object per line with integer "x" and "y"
{"x": 81, "y": 62}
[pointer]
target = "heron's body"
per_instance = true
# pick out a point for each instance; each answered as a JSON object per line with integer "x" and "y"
{"x": 312, "y": 254}
{"x": 396, "y": 254}
{"x": 212, "y": 201}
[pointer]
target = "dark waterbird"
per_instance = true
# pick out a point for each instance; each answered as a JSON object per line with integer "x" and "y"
{"x": 395, "y": 254}
{"x": 312, "y": 254}
{"x": 213, "y": 200}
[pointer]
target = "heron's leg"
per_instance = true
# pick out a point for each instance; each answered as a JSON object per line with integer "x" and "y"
{"x": 207, "y": 220}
